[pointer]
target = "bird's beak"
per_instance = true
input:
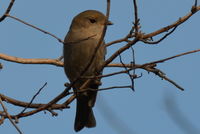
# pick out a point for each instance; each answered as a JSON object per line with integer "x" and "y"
{"x": 109, "y": 23}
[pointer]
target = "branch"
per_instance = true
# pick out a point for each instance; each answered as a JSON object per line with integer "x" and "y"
{"x": 56, "y": 62}
{"x": 136, "y": 22}
{"x": 162, "y": 76}
{"x": 33, "y": 105}
{"x": 117, "y": 41}
{"x": 7, "y": 10}
{"x": 161, "y": 39}
{"x": 33, "y": 98}
{"x": 9, "y": 117}
{"x": 122, "y": 49}
{"x": 172, "y": 57}
{"x": 39, "y": 29}
{"x": 175, "y": 24}
{"x": 107, "y": 75}
{"x": 128, "y": 72}
{"x": 101, "y": 89}
{"x": 31, "y": 61}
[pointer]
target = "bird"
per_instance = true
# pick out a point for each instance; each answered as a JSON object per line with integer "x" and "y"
{"x": 79, "y": 45}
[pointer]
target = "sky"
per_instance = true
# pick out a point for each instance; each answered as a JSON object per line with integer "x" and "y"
{"x": 155, "y": 107}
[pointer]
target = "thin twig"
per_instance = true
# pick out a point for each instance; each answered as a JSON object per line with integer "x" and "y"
{"x": 114, "y": 87}
{"x": 163, "y": 76}
{"x": 39, "y": 29}
{"x": 117, "y": 41}
{"x": 132, "y": 66}
{"x": 175, "y": 24}
{"x": 107, "y": 75}
{"x": 119, "y": 51}
{"x": 34, "y": 98}
{"x": 80, "y": 40}
{"x": 46, "y": 106}
{"x": 161, "y": 39}
{"x": 100, "y": 89}
{"x": 171, "y": 81}
{"x": 128, "y": 72}
{"x": 127, "y": 65}
{"x": 9, "y": 117}
{"x": 172, "y": 57}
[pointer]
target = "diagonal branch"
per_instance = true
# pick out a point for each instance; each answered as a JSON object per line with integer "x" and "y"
{"x": 172, "y": 57}
{"x": 161, "y": 39}
{"x": 33, "y": 98}
{"x": 9, "y": 117}
{"x": 39, "y": 29}
{"x": 7, "y": 10}
{"x": 175, "y": 24}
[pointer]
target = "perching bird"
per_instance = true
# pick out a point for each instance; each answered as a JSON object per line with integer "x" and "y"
{"x": 79, "y": 45}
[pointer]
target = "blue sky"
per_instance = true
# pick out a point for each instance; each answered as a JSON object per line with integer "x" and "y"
{"x": 119, "y": 110}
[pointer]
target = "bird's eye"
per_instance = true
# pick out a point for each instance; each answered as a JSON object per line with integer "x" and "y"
{"x": 92, "y": 20}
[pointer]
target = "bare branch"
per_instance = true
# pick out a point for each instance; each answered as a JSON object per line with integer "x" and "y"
{"x": 162, "y": 75}
{"x": 114, "y": 87}
{"x": 46, "y": 106}
{"x": 9, "y": 117}
{"x": 175, "y": 24}
{"x": 107, "y": 75}
{"x": 121, "y": 50}
{"x": 7, "y": 10}
{"x": 128, "y": 72}
{"x": 161, "y": 39}
{"x": 101, "y": 89}
{"x": 39, "y": 29}
{"x": 117, "y": 41}
{"x": 31, "y": 61}
{"x": 33, "y": 105}
{"x": 75, "y": 42}
{"x": 172, "y": 57}
{"x": 33, "y": 98}
{"x": 136, "y": 22}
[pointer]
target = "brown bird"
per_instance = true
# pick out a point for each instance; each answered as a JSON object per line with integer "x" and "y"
{"x": 80, "y": 43}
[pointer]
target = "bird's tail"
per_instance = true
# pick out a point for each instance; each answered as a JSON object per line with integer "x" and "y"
{"x": 84, "y": 114}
